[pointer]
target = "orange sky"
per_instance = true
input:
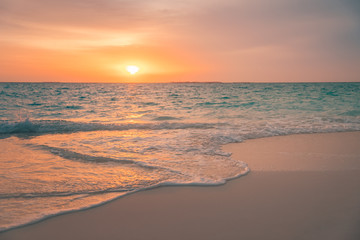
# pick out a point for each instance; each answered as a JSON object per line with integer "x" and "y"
{"x": 198, "y": 40}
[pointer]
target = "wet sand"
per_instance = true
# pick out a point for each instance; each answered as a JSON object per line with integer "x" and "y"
{"x": 299, "y": 187}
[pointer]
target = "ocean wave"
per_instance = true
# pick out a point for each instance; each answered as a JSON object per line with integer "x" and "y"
{"x": 63, "y": 126}
{"x": 75, "y": 156}
{"x": 60, "y": 194}
{"x": 165, "y": 118}
{"x": 71, "y": 155}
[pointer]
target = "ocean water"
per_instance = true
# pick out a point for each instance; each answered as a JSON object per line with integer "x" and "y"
{"x": 65, "y": 147}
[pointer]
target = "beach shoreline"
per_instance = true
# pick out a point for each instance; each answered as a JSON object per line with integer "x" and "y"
{"x": 306, "y": 189}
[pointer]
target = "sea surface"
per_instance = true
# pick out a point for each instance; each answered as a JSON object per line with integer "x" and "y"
{"x": 71, "y": 146}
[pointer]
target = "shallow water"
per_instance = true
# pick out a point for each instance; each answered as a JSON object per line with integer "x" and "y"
{"x": 65, "y": 147}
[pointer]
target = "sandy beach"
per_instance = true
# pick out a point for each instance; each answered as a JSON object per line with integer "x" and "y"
{"x": 300, "y": 187}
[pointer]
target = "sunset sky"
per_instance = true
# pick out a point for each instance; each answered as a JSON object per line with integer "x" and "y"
{"x": 173, "y": 40}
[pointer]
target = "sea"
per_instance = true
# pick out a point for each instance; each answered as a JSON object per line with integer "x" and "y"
{"x": 70, "y": 146}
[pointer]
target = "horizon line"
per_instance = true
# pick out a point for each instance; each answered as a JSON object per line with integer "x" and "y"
{"x": 180, "y": 82}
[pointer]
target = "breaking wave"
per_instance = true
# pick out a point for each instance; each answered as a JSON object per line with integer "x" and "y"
{"x": 63, "y": 126}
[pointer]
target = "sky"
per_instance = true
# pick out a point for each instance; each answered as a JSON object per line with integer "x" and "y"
{"x": 180, "y": 40}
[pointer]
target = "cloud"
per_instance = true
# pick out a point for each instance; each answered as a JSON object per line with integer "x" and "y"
{"x": 317, "y": 38}
{"x": 246, "y": 24}
{"x": 104, "y": 14}
{"x": 259, "y": 36}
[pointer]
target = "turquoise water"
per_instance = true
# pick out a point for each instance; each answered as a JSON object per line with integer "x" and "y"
{"x": 65, "y": 147}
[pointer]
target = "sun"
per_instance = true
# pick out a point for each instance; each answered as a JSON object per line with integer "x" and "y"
{"x": 132, "y": 69}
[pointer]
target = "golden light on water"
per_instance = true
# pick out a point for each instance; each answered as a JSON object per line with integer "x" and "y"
{"x": 132, "y": 69}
